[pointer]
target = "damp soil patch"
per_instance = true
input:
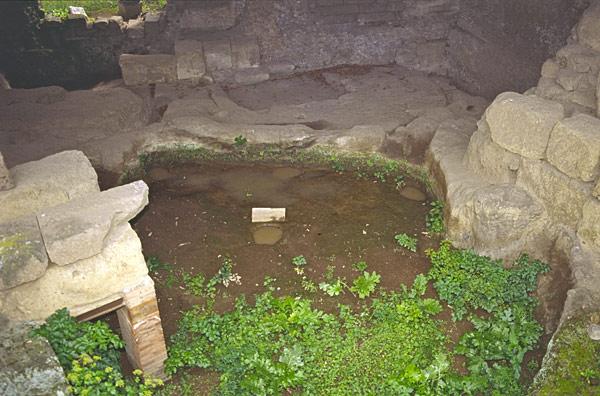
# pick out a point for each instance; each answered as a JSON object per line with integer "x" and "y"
{"x": 339, "y": 226}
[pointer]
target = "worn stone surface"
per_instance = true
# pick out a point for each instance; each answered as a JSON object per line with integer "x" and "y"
{"x": 361, "y": 138}
{"x": 488, "y": 159}
{"x": 22, "y": 252}
{"x": 503, "y": 215}
{"x": 250, "y": 76}
{"x": 6, "y": 182}
{"x": 589, "y": 226}
{"x": 79, "y": 228}
{"x": 208, "y": 16}
{"x": 588, "y": 31}
{"x": 28, "y": 365}
{"x": 83, "y": 286}
{"x": 562, "y": 196}
{"x": 190, "y": 60}
{"x": 574, "y": 147}
{"x": 522, "y": 124}
{"x": 411, "y": 141}
{"x": 217, "y": 55}
{"x": 148, "y": 69}
{"x": 245, "y": 52}
{"x": 50, "y": 181}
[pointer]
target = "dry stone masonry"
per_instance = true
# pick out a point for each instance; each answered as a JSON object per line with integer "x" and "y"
{"x": 64, "y": 242}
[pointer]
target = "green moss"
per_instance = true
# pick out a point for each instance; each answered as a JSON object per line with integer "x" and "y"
{"x": 12, "y": 243}
{"x": 573, "y": 364}
{"x": 367, "y": 165}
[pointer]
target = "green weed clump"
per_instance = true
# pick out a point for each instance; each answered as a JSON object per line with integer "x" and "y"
{"x": 89, "y": 353}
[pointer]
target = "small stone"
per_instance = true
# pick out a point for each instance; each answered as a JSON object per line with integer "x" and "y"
{"x": 594, "y": 332}
{"x": 414, "y": 194}
{"x": 77, "y": 13}
{"x": 250, "y": 76}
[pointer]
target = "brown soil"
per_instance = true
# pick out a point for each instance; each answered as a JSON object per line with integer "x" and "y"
{"x": 200, "y": 214}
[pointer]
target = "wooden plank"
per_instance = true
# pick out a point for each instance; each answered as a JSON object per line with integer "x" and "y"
{"x": 267, "y": 215}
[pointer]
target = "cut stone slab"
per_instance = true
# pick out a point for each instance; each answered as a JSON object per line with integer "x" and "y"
{"x": 522, "y": 124}
{"x": 148, "y": 69}
{"x": 28, "y": 365}
{"x": 83, "y": 286}
{"x": 361, "y": 138}
{"x": 266, "y": 215}
{"x": 562, "y": 196}
{"x": 574, "y": 147}
{"x": 589, "y": 226}
{"x": 50, "y": 181}
{"x": 218, "y": 55}
{"x": 78, "y": 229}
{"x": 245, "y": 53}
{"x": 250, "y": 76}
{"x": 6, "y": 182}
{"x": 22, "y": 253}
{"x": 190, "y": 60}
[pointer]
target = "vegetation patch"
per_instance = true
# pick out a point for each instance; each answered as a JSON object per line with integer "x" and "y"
{"x": 93, "y": 8}
{"x": 89, "y": 354}
{"x": 572, "y": 366}
{"x": 394, "y": 344}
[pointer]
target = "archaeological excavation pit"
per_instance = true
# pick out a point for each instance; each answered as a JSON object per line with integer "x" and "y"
{"x": 312, "y": 197}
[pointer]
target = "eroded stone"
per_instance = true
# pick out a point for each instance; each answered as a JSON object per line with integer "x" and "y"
{"x": 148, "y": 69}
{"x": 6, "y": 182}
{"x": 78, "y": 229}
{"x": 574, "y": 147}
{"x": 190, "y": 60}
{"x": 589, "y": 226}
{"x": 522, "y": 124}
{"x": 22, "y": 253}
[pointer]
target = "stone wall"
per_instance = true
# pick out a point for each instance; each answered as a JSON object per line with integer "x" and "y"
{"x": 64, "y": 243}
{"x": 486, "y": 47}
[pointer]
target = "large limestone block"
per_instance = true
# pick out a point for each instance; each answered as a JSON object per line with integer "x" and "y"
{"x": 589, "y": 226}
{"x": 218, "y": 55}
{"x": 574, "y": 147}
{"x": 22, "y": 253}
{"x": 78, "y": 229}
{"x": 6, "y": 182}
{"x": 50, "y": 181}
{"x": 588, "y": 29}
{"x": 502, "y": 215}
{"x": 488, "y": 159}
{"x": 190, "y": 60}
{"x": 562, "y": 196}
{"x": 522, "y": 124}
{"x": 82, "y": 286}
{"x": 28, "y": 365}
{"x": 148, "y": 69}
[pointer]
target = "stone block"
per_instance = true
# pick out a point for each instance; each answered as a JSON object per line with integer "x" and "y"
{"x": 589, "y": 225}
{"x": 588, "y": 29}
{"x": 210, "y": 16}
{"x": 79, "y": 228}
{"x": 250, "y": 76}
{"x": 562, "y": 196}
{"x": 488, "y": 159}
{"x": 50, "y": 181}
{"x": 83, "y": 286}
{"x": 22, "y": 253}
{"x": 361, "y": 138}
{"x": 574, "y": 147}
{"x": 245, "y": 53}
{"x": 148, "y": 69}
{"x": 550, "y": 69}
{"x": 190, "y": 60}
{"x": 6, "y": 182}
{"x": 218, "y": 55}
{"x": 522, "y": 124}
{"x": 153, "y": 23}
{"x": 28, "y": 365}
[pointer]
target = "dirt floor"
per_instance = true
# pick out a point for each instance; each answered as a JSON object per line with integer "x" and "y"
{"x": 200, "y": 214}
